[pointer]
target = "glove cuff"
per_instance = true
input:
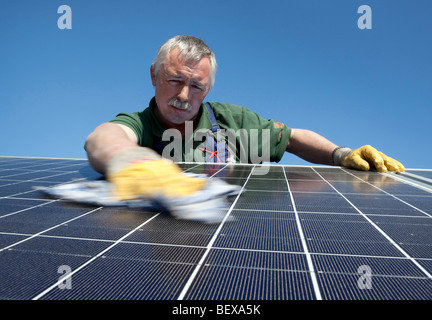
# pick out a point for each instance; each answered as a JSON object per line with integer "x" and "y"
{"x": 125, "y": 158}
{"x": 339, "y": 155}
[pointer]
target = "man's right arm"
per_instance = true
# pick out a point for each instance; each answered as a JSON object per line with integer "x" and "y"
{"x": 137, "y": 172}
{"x": 107, "y": 140}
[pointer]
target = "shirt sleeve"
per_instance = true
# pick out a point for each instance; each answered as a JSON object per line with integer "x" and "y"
{"x": 278, "y": 134}
{"x": 261, "y": 132}
{"x": 133, "y": 121}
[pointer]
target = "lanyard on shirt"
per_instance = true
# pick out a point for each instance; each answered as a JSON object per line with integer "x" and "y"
{"x": 215, "y": 146}
{"x": 216, "y": 149}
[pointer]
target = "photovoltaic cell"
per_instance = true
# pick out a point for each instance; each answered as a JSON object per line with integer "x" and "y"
{"x": 294, "y": 232}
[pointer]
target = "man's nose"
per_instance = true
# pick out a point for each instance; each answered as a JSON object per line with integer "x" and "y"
{"x": 184, "y": 93}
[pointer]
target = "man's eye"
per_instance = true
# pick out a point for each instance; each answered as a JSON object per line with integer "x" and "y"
{"x": 198, "y": 87}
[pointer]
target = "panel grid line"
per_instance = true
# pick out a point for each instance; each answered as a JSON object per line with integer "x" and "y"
{"x": 380, "y": 231}
{"x": 210, "y": 244}
{"x": 394, "y": 212}
{"x": 40, "y": 295}
{"x": 29, "y": 208}
{"x": 203, "y": 247}
{"x": 304, "y": 244}
{"x": 408, "y": 204}
{"x": 49, "y": 229}
{"x": 33, "y": 180}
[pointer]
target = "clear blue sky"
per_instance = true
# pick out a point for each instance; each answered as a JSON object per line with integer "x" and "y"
{"x": 305, "y": 63}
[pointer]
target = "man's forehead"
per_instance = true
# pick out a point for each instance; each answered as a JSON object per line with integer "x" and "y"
{"x": 177, "y": 65}
{"x": 175, "y": 57}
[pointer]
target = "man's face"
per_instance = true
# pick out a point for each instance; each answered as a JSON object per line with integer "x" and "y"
{"x": 184, "y": 81}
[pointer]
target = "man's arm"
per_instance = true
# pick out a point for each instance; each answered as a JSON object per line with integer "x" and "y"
{"x": 311, "y": 146}
{"x": 107, "y": 140}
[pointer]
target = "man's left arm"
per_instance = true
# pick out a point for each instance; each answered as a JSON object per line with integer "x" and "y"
{"x": 314, "y": 148}
{"x": 311, "y": 146}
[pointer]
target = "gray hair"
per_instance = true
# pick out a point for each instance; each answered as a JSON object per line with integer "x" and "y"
{"x": 191, "y": 48}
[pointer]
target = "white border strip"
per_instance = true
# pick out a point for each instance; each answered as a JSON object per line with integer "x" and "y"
{"x": 414, "y": 180}
{"x": 210, "y": 244}
{"x": 304, "y": 244}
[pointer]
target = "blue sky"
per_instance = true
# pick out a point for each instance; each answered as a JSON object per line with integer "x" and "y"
{"x": 305, "y": 63}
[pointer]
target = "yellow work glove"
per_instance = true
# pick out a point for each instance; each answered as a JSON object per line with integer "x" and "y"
{"x": 139, "y": 172}
{"x": 365, "y": 157}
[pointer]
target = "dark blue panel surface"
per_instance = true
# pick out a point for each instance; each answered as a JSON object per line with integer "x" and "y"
{"x": 252, "y": 275}
{"x": 346, "y": 287}
{"x": 133, "y": 271}
{"x": 293, "y": 233}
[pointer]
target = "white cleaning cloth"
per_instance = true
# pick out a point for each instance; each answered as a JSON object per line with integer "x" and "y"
{"x": 208, "y": 205}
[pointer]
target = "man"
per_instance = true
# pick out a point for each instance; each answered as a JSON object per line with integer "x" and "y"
{"x": 183, "y": 73}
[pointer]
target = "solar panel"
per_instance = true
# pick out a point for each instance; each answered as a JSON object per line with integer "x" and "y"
{"x": 294, "y": 233}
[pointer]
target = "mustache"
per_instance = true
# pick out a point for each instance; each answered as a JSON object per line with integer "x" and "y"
{"x": 180, "y": 105}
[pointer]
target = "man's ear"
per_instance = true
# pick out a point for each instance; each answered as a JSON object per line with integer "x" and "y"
{"x": 153, "y": 75}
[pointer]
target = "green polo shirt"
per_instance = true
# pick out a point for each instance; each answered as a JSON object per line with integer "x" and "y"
{"x": 245, "y": 132}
